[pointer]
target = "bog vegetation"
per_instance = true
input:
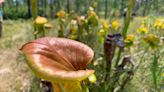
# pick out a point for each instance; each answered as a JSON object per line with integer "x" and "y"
{"x": 82, "y": 46}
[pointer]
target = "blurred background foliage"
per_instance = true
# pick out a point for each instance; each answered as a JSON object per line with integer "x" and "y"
{"x": 14, "y": 9}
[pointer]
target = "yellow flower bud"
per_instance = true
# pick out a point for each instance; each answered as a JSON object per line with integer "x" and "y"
{"x": 101, "y": 32}
{"x": 72, "y": 36}
{"x": 129, "y": 40}
{"x": 142, "y": 30}
{"x": 130, "y": 37}
{"x": 61, "y": 14}
{"x": 105, "y": 24}
{"x": 158, "y": 23}
{"x": 73, "y": 30}
{"x": 163, "y": 26}
{"x": 152, "y": 40}
{"x": 163, "y": 74}
{"x": 115, "y": 25}
{"x": 92, "y": 78}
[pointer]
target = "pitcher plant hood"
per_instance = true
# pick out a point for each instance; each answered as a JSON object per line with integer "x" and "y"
{"x": 58, "y": 59}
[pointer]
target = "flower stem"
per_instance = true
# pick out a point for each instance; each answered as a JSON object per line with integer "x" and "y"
{"x": 125, "y": 28}
{"x": 61, "y": 31}
{"x": 155, "y": 69}
{"x": 118, "y": 57}
{"x": 128, "y": 17}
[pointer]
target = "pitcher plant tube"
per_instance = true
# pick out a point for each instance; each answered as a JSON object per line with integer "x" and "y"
{"x": 61, "y": 61}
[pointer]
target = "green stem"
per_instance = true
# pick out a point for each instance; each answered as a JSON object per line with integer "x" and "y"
{"x": 125, "y": 28}
{"x": 80, "y": 34}
{"x": 118, "y": 57}
{"x": 104, "y": 69}
{"x": 155, "y": 69}
{"x": 128, "y": 17}
{"x": 41, "y": 31}
{"x": 35, "y": 35}
{"x": 61, "y": 31}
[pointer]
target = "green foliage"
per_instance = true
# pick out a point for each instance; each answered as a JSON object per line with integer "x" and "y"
{"x": 11, "y": 13}
{"x": 20, "y": 10}
{"x": 35, "y": 85}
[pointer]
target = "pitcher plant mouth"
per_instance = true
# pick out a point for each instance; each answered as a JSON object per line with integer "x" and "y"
{"x": 60, "y": 61}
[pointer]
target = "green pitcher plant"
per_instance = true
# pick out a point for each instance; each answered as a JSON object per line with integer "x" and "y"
{"x": 41, "y": 25}
{"x": 61, "y": 61}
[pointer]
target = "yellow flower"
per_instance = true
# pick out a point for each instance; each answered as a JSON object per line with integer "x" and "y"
{"x": 142, "y": 30}
{"x": 92, "y": 18}
{"x": 91, "y": 13}
{"x": 73, "y": 36}
{"x": 152, "y": 40}
{"x": 158, "y": 23}
{"x": 61, "y": 14}
{"x": 163, "y": 26}
{"x": 129, "y": 39}
{"x": 92, "y": 78}
{"x": 115, "y": 25}
{"x": 73, "y": 30}
{"x": 40, "y": 20}
{"x": 163, "y": 74}
{"x": 101, "y": 32}
{"x": 105, "y": 24}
